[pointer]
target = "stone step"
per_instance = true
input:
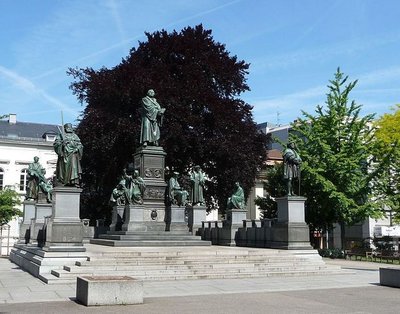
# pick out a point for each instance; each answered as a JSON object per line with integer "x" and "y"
{"x": 92, "y": 268}
{"x": 193, "y": 263}
{"x": 140, "y": 262}
{"x": 62, "y": 273}
{"x": 192, "y": 253}
{"x": 159, "y": 233}
{"x": 71, "y": 278}
{"x": 146, "y": 243}
{"x": 193, "y": 258}
{"x": 139, "y": 237}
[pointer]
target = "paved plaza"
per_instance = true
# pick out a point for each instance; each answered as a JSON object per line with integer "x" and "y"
{"x": 355, "y": 291}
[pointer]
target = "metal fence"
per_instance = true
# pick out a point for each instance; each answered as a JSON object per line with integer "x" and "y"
{"x": 5, "y": 240}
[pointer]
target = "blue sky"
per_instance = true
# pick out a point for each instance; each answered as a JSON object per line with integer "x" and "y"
{"x": 294, "y": 48}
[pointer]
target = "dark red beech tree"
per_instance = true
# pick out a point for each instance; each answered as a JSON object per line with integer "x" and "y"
{"x": 205, "y": 123}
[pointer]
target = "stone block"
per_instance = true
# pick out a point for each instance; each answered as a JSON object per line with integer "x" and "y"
{"x": 28, "y": 214}
{"x": 117, "y": 218}
{"x": 64, "y": 230}
{"x": 109, "y": 290}
{"x": 290, "y": 236}
{"x": 236, "y": 216}
{"x": 196, "y": 214}
{"x": 66, "y": 202}
{"x": 134, "y": 218}
{"x": 88, "y": 231}
{"x": 175, "y": 218}
{"x": 389, "y": 277}
{"x": 291, "y": 209}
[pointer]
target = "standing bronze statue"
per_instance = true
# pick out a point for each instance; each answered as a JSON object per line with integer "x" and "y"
{"x": 152, "y": 117}
{"x": 197, "y": 179}
{"x": 69, "y": 149}
{"x": 36, "y": 179}
{"x": 291, "y": 166}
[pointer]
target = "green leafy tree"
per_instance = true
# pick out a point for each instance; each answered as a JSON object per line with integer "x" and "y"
{"x": 338, "y": 168}
{"x": 9, "y": 199}
{"x": 387, "y": 152}
{"x": 205, "y": 123}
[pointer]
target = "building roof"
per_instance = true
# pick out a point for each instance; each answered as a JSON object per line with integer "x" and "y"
{"x": 26, "y": 130}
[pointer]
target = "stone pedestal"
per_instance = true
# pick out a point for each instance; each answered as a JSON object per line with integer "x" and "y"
{"x": 236, "y": 216}
{"x": 175, "y": 218}
{"x": 117, "y": 218}
{"x": 196, "y": 215}
{"x": 290, "y": 231}
{"x": 134, "y": 220}
{"x": 37, "y": 236}
{"x": 150, "y": 161}
{"x": 24, "y": 229}
{"x": 64, "y": 230}
{"x": 228, "y": 235}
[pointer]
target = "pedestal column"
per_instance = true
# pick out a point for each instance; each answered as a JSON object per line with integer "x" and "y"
{"x": 228, "y": 234}
{"x": 117, "y": 218}
{"x": 196, "y": 215}
{"x": 42, "y": 210}
{"x": 64, "y": 230}
{"x": 150, "y": 161}
{"x": 24, "y": 229}
{"x": 291, "y": 230}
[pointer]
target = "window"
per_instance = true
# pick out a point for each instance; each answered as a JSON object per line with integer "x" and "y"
{"x": 1, "y": 178}
{"x": 50, "y": 137}
{"x": 22, "y": 180}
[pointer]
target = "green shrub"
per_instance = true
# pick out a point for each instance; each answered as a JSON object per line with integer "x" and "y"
{"x": 331, "y": 253}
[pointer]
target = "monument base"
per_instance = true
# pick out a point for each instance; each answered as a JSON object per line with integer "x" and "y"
{"x": 196, "y": 214}
{"x": 64, "y": 231}
{"x": 134, "y": 218}
{"x": 117, "y": 218}
{"x": 175, "y": 218}
{"x": 28, "y": 214}
{"x": 291, "y": 231}
{"x": 290, "y": 236}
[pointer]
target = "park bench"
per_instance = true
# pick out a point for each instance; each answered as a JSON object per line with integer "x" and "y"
{"x": 387, "y": 255}
{"x": 357, "y": 253}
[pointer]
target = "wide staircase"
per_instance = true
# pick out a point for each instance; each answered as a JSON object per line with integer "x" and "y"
{"x": 180, "y": 263}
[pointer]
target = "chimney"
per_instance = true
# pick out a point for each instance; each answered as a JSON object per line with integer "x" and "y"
{"x": 12, "y": 118}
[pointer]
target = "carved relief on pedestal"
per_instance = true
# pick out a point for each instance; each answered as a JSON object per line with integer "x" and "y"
{"x": 153, "y": 173}
{"x": 157, "y": 173}
{"x": 154, "y": 193}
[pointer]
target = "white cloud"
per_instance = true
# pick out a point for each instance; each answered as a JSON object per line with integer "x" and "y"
{"x": 30, "y": 88}
{"x": 320, "y": 54}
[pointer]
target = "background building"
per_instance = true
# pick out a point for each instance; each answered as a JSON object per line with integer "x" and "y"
{"x": 19, "y": 143}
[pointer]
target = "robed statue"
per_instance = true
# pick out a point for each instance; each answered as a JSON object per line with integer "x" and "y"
{"x": 236, "y": 201}
{"x": 69, "y": 149}
{"x": 129, "y": 190}
{"x": 36, "y": 179}
{"x": 152, "y": 117}
{"x": 291, "y": 166}
{"x": 197, "y": 180}
{"x": 175, "y": 193}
